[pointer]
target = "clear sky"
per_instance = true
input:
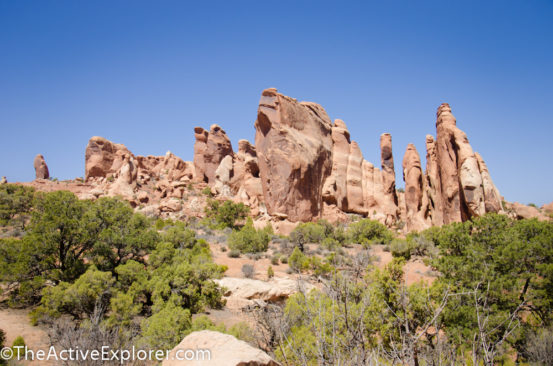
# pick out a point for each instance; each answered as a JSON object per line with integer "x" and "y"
{"x": 144, "y": 73}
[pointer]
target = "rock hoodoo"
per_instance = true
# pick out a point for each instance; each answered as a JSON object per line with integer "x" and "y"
{"x": 415, "y": 193}
{"x": 209, "y": 150}
{"x": 462, "y": 187}
{"x": 294, "y": 149}
{"x": 41, "y": 169}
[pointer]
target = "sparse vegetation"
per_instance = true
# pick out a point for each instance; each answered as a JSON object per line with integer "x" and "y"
{"x": 367, "y": 231}
{"x": 248, "y": 270}
{"x": 250, "y": 240}
{"x": 225, "y": 214}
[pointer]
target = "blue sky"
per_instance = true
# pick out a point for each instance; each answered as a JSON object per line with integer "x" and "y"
{"x": 144, "y": 73}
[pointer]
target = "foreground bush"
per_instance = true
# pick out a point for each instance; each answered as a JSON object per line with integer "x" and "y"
{"x": 250, "y": 240}
{"x": 225, "y": 214}
{"x": 366, "y": 231}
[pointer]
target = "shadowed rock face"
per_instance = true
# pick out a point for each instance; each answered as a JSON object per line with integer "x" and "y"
{"x": 209, "y": 150}
{"x": 41, "y": 169}
{"x": 294, "y": 148}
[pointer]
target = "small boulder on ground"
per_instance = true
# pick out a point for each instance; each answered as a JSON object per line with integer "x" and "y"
{"x": 223, "y": 350}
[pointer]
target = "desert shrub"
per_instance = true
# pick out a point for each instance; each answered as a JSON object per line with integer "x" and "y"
{"x": 538, "y": 347}
{"x": 2, "y": 341}
{"x": 310, "y": 232}
{"x": 421, "y": 245}
{"x": 270, "y": 272}
{"x": 242, "y": 331}
{"x": 202, "y": 322}
{"x": 250, "y": 240}
{"x": 320, "y": 267}
{"x": 376, "y": 318}
{"x": 78, "y": 299}
{"x": 248, "y": 270}
{"x": 367, "y": 231}
{"x": 207, "y": 192}
{"x": 166, "y": 328}
{"x": 284, "y": 259}
{"x": 234, "y": 253}
{"x": 505, "y": 262}
{"x": 18, "y": 347}
{"x": 225, "y": 214}
{"x": 15, "y": 203}
{"x": 275, "y": 259}
{"x": 400, "y": 248}
{"x": 298, "y": 261}
{"x": 121, "y": 234}
{"x": 330, "y": 244}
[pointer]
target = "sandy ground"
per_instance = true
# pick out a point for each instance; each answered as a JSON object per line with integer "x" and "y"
{"x": 15, "y": 322}
{"x": 235, "y": 264}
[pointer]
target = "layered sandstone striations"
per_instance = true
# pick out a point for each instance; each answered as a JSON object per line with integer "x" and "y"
{"x": 356, "y": 185}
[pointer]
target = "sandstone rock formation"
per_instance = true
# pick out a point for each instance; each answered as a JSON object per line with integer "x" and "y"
{"x": 457, "y": 184}
{"x": 209, "y": 150}
{"x": 462, "y": 187}
{"x": 103, "y": 158}
{"x": 334, "y": 189}
{"x": 548, "y": 207}
{"x": 301, "y": 168}
{"x": 294, "y": 148}
{"x": 388, "y": 172}
{"x": 354, "y": 181}
{"x": 492, "y": 198}
{"x": 224, "y": 350}
{"x": 414, "y": 190}
{"x": 356, "y": 185}
{"x": 275, "y": 290}
{"x": 526, "y": 212}
{"x": 4, "y": 180}
{"x": 433, "y": 183}
{"x": 41, "y": 169}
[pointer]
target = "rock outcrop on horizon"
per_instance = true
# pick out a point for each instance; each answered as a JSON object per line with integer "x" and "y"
{"x": 209, "y": 150}
{"x": 156, "y": 181}
{"x": 41, "y": 169}
{"x": 294, "y": 149}
{"x": 304, "y": 167}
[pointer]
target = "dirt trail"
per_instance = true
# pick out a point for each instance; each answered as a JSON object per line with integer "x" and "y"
{"x": 15, "y": 322}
